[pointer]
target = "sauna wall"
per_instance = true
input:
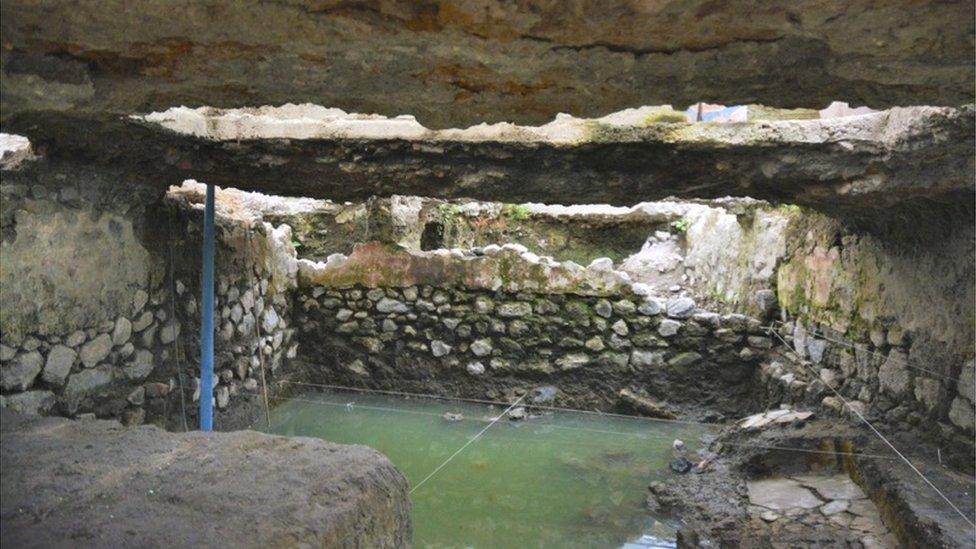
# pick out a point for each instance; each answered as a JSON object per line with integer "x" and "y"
{"x": 900, "y": 305}
{"x": 723, "y": 251}
{"x": 882, "y": 314}
{"x": 99, "y": 288}
{"x": 85, "y": 318}
{"x": 483, "y": 325}
{"x": 886, "y": 317}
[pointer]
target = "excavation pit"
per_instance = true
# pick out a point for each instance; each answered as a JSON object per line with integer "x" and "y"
{"x": 841, "y": 301}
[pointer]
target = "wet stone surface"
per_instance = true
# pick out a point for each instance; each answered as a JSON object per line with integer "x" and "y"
{"x": 802, "y": 509}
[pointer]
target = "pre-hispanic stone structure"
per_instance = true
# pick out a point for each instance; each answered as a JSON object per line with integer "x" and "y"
{"x": 406, "y": 205}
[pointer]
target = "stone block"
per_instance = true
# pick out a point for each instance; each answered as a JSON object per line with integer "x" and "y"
{"x": 19, "y": 373}
{"x": 60, "y": 359}
{"x": 96, "y": 350}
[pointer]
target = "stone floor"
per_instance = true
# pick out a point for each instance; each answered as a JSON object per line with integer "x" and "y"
{"x": 816, "y": 509}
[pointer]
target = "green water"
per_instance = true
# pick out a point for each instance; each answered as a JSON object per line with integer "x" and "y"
{"x": 563, "y": 480}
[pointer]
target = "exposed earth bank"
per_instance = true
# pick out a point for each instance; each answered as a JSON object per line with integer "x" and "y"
{"x": 822, "y": 483}
{"x": 461, "y": 63}
{"x": 99, "y": 484}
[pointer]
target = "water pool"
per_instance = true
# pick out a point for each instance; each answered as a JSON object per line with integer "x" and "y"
{"x": 567, "y": 479}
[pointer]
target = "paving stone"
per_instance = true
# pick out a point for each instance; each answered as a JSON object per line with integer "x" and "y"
{"x": 832, "y": 487}
{"x": 834, "y": 507}
{"x": 780, "y": 494}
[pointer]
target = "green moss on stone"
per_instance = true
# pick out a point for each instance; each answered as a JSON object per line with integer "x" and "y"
{"x": 518, "y": 212}
{"x": 664, "y": 116}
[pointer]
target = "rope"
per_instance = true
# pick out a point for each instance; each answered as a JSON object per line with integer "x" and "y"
{"x": 878, "y": 433}
{"x": 257, "y": 324}
{"x": 494, "y": 435}
{"x": 886, "y": 357}
{"x": 643, "y": 436}
{"x": 494, "y": 402}
{"x": 172, "y": 312}
{"x": 364, "y": 407}
{"x": 468, "y": 443}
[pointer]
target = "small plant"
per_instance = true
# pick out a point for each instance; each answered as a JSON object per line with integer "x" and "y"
{"x": 296, "y": 244}
{"x": 449, "y": 212}
{"x": 789, "y": 208}
{"x": 518, "y": 212}
{"x": 680, "y": 225}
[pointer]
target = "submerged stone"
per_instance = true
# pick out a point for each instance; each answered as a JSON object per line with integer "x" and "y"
{"x": 680, "y": 465}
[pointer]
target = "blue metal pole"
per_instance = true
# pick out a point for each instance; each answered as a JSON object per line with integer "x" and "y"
{"x": 206, "y": 316}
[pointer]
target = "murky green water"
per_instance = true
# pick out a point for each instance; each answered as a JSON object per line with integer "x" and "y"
{"x": 564, "y": 480}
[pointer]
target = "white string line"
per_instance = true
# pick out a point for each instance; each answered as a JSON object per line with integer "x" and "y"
{"x": 709, "y": 425}
{"x": 466, "y": 444}
{"x": 365, "y": 407}
{"x": 497, "y": 402}
{"x": 882, "y": 437}
{"x": 494, "y": 435}
{"x": 854, "y": 346}
{"x": 642, "y": 436}
{"x": 807, "y": 450}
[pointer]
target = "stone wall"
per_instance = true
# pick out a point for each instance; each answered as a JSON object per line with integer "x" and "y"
{"x": 449, "y": 324}
{"x": 887, "y": 320}
{"x": 99, "y": 291}
{"x": 725, "y": 252}
{"x": 52, "y": 282}
{"x": 85, "y": 315}
{"x": 255, "y": 274}
{"x": 910, "y": 406}
{"x": 888, "y": 323}
{"x": 111, "y": 332}
{"x": 579, "y": 234}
